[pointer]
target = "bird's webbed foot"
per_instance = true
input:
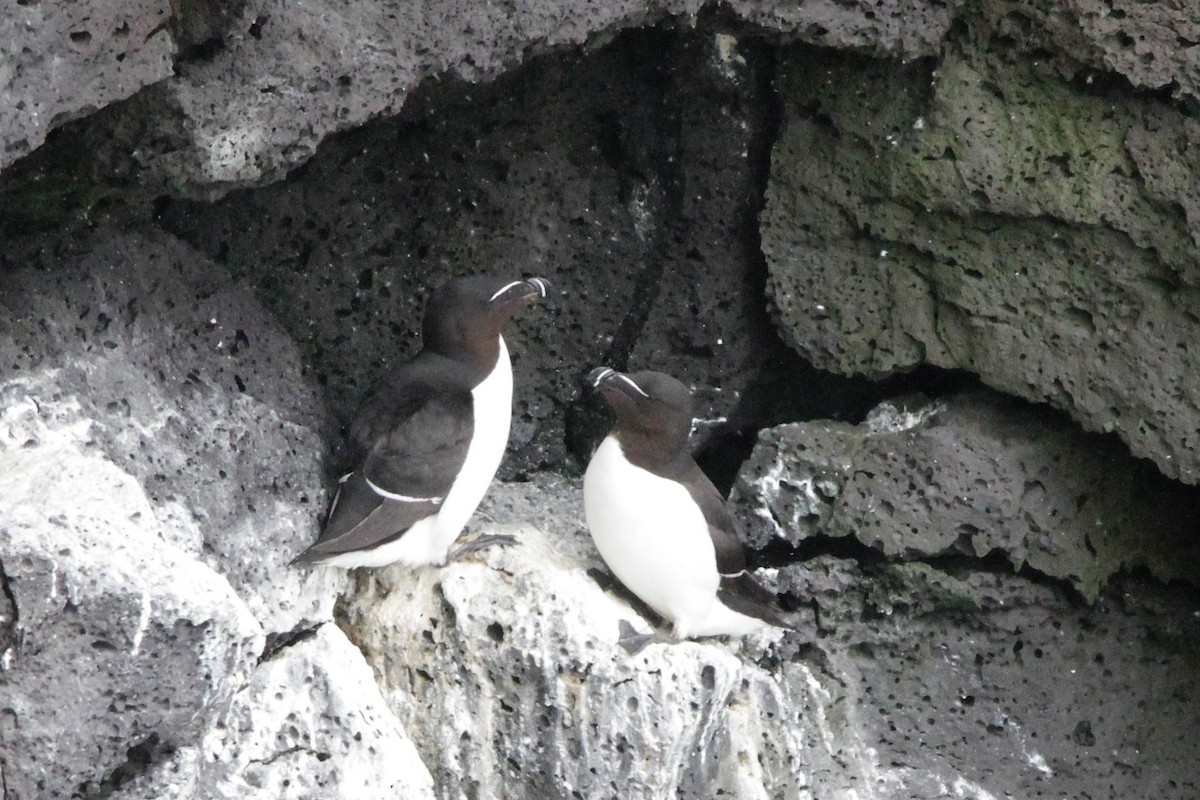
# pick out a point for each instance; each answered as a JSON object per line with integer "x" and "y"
{"x": 633, "y": 642}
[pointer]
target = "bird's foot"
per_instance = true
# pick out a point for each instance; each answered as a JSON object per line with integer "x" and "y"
{"x": 480, "y": 543}
{"x": 633, "y": 642}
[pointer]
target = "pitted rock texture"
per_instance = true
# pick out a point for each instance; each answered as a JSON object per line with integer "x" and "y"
{"x": 979, "y": 212}
{"x": 184, "y": 382}
{"x": 902, "y": 28}
{"x": 258, "y": 84}
{"x": 1152, "y": 45}
{"x": 972, "y": 475}
{"x": 119, "y": 639}
{"x": 506, "y": 672}
{"x": 161, "y": 448}
{"x": 309, "y": 723}
{"x": 980, "y": 684}
{"x": 60, "y": 61}
{"x": 627, "y": 176}
{"x": 283, "y": 76}
{"x": 280, "y": 77}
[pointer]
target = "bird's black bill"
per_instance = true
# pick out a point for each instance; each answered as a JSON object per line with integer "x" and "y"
{"x": 542, "y": 285}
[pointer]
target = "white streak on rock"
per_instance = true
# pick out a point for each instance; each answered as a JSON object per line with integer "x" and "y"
{"x": 888, "y": 417}
{"x": 143, "y": 624}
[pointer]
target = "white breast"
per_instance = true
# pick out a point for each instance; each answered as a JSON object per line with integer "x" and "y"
{"x": 492, "y": 402}
{"x": 653, "y": 537}
{"x": 428, "y": 541}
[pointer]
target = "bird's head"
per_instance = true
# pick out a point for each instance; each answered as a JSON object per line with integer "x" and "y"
{"x": 468, "y": 313}
{"x": 649, "y": 405}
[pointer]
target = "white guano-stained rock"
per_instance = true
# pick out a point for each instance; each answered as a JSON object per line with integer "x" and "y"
{"x": 120, "y": 640}
{"x": 178, "y": 376}
{"x": 310, "y": 723}
{"x": 506, "y": 671}
{"x": 160, "y": 464}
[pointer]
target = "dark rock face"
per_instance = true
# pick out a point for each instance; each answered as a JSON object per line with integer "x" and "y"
{"x": 972, "y": 476}
{"x": 977, "y": 684}
{"x": 250, "y": 88}
{"x": 978, "y": 212}
{"x": 628, "y": 177}
{"x": 270, "y": 80}
{"x": 1152, "y": 45}
{"x": 59, "y": 62}
{"x": 988, "y": 601}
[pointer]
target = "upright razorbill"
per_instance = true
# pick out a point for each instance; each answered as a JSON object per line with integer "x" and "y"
{"x": 427, "y": 443}
{"x": 659, "y": 523}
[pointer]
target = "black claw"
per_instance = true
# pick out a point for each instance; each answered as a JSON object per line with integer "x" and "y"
{"x": 480, "y": 543}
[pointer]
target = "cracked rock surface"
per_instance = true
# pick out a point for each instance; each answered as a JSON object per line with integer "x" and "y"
{"x": 506, "y": 672}
{"x": 178, "y": 376}
{"x": 278, "y": 78}
{"x": 61, "y": 61}
{"x": 310, "y": 722}
{"x": 971, "y": 475}
{"x": 162, "y": 460}
{"x": 626, "y": 176}
{"x": 980, "y": 213}
{"x": 120, "y": 637}
{"x": 989, "y": 601}
{"x": 982, "y": 684}
{"x": 240, "y": 93}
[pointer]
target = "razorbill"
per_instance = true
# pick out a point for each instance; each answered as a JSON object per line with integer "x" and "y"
{"x": 659, "y": 523}
{"x": 427, "y": 443}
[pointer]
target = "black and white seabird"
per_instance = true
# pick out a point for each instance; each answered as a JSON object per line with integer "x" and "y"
{"x": 426, "y": 445}
{"x": 659, "y": 523}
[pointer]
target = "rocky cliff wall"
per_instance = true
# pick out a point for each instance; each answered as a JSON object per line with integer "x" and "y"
{"x": 802, "y": 209}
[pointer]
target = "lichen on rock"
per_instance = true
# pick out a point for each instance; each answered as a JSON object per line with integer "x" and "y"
{"x": 976, "y": 214}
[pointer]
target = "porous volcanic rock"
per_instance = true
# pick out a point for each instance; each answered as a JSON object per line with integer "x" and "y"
{"x": 116, "y": 639}
{"x": 274, "y": 79}
{"x": 506, "y": 672}
{"x": 183, "y": 381}
{"x": 980, "y": 212}
{"x": 61, "y": 61}
{"x": 1154, "y": 46}
{"x": 309, "y": 723}
{"x": 973, "y": 475}
{"x": 628, "y": 176}
{"x": 163, "y": 463}
{"x": 972, "y": 682}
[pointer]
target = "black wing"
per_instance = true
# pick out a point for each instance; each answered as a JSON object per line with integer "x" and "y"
{"x": 411, "y": 441}
{"x": 362, "y": 519}
{"x": 731, "y": 557}
{"x": 420, "y": 453}
{"x": 738, "y": 590}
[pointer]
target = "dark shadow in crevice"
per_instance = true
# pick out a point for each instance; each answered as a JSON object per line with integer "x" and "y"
{"x": 872, "y": 561}
{"x": 280, "y": 640}
{"x": 9, "y": 614}
{"x": 139, "y": 759}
